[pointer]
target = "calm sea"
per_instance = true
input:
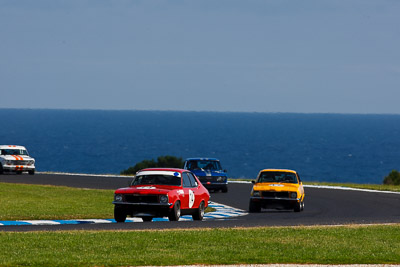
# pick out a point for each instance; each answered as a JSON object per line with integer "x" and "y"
{"x": 321, "y": 147}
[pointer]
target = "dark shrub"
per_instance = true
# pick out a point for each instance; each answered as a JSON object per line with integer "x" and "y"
{"x": 162, "y": 162}
{"x": 393, "y": 178}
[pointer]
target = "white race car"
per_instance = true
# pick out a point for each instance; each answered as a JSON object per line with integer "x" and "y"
{"x": 15, "y": 159}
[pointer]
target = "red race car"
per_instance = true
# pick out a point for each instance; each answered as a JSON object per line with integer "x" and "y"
{"x": 161, "y": 192}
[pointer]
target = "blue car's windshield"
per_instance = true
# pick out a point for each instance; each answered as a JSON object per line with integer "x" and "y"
{"x": 277, "y": 177}
{"x": 157, "y": 180}
{"x": 204, "y": 164}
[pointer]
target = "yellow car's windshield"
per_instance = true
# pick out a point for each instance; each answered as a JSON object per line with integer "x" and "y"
{"x": 277, "y": 177}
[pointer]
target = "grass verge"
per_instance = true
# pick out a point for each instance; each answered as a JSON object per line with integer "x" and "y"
{"x": 306, "y": 245}
{"x": 45, "y": 202}
{"x": 34, "y": 202}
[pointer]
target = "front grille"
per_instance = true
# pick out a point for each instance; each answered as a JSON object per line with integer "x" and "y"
{"x": 272, "y": 194}
{"x": 19, "y": 162}
{"x": 141, "y": 198}
{"x": 205, "y": 179}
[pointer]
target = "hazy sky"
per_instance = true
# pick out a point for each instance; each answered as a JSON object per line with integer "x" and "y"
{"x": 335, "y": 56}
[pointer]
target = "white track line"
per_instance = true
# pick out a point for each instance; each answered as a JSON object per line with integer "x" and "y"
{"x": 332, "y": 187}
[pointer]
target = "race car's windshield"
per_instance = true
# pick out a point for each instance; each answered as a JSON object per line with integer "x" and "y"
{"x": 204, "y": 164}
{"x": 18, "y": 152}
{"x": 277, "y": 177}
{"x": 157, "y": 180}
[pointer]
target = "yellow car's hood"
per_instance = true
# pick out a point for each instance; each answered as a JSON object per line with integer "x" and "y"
{"x": 276, "y": 187}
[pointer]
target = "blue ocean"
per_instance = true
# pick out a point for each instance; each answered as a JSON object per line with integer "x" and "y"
{"x": 321, "y": 147}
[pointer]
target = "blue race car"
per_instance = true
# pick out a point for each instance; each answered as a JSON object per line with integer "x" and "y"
{"x": 209, "y": 172}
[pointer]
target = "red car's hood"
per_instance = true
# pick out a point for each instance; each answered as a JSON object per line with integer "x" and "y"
{"x": 146, "y": 189}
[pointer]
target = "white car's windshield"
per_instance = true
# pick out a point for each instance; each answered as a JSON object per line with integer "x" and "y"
{"x": 277, "y": 177}
{"x": 157, "y": 180}
{"x": 18, "y": 152}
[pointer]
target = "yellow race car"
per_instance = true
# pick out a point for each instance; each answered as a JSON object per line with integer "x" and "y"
{"x": 277, "y": 189}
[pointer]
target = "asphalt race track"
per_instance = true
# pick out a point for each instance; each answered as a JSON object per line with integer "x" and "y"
{"x": 322, "y": 206}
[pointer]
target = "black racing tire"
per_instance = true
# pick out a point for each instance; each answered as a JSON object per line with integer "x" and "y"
{"x": 297, "y": 207}
{"x": 119, "y": 214}
{"x": 32, "y": 172}
{"x": 1, "y": 169}
{"x": 147, "y": 218}
{"x": 254, "y": 206}
{"x": 199, "y": 215}
{"x": 224, "y": 189}
{"x": 302, "y": 205}
{"x": 175, "y": 212}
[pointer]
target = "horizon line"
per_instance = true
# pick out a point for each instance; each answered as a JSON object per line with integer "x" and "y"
{"x": 203, "y": 111}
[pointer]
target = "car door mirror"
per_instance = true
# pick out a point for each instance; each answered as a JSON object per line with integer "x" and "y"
{"x": 253, "y": 182}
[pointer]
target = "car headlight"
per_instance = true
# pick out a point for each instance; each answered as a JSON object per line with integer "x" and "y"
{"x": 164, "y": 199}
{"x": 118, "y": 197}
{"x": 220, "y": 179}
{"x": 293, "y": 195}
{"x": 256, "y": 193}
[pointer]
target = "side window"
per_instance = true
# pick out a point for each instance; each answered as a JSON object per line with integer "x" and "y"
{"x": 192, "y": 179}
{"x": 186, "y": 180}
{"x": 298, "y": 176}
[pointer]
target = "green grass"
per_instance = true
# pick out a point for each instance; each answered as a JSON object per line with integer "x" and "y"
{"x": 318, "y": 245}
{"x": 45, "y": 202}
{"x": 32, "y": 202}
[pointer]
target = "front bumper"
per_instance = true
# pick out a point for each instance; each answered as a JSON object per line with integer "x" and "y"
{"x": 214, "y": 185}
{"x": 214, "y": 182}
{"x": 275, "y": 203}
{"x": 18, "y": 168}
{"x": 144, "y": 209}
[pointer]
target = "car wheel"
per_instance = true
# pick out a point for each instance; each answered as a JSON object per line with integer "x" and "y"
{"x": 198, "y": 216}
{"x": 297, "y": 207}
{"x": 254, "y": 206}
{"x": 147, "y": 218}
{"x": 119, "y": 214}
{"x": 302, "y": 205}
{"x": 224, "y": 189}
{"x": 19, "y": 172}
{"x": 175, "y": 213}
{"x": 1, "y": 169}
{"x": 32, "y": 172}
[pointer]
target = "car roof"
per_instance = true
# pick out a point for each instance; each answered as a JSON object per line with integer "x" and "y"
{"x": 164, "y": 169}
{"x": 11, "y": 147}
{"x": 277, "y": 170}
{"x": 214, "y": 159}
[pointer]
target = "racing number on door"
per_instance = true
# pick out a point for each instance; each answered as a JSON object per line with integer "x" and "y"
{"x": 191, "y": 199}
{"x": 189, "y": 185}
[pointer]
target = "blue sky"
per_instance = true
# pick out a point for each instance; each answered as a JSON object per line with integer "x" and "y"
{"x": 319, "y": 56}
